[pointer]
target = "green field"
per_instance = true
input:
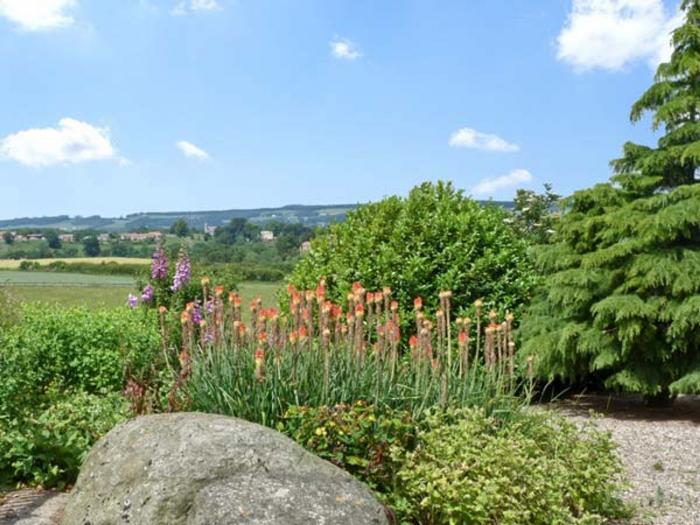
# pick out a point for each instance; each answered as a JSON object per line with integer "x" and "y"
{"x": 98, "y": 290}
{"x": 15, "y": 278}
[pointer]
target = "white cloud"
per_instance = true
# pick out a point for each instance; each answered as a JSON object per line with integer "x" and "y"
{"x": 610, "y": 34}
{"x": 71, "y": 142}
{"x": 344, "y": 49}
{"x": 190, "y": 150}
{"x": 471, "y": 138}
{"x": 191, "y": 6}
{"x": 38, "y": 15}
{"x": 491, "y": 186}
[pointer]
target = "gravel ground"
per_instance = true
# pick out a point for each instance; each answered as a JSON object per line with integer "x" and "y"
{"x": 660, "y": 448}
{"x": 32, "y": 507}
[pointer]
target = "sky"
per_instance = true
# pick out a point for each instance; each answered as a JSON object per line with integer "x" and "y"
{"x": 118, "y": 106}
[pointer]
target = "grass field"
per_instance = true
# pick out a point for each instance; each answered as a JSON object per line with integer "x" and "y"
{"x": 18, "y": 277}
{"x": 9, "y": 264}
{"x": 83, "y": 290}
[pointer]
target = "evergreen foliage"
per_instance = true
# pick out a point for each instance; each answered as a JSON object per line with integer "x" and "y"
{"x": 622, "y": 299}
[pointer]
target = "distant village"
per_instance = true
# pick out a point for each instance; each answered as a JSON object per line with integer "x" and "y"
{"x": 154, "y": 236}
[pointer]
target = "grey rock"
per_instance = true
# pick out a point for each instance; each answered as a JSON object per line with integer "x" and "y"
{"x": 202, "y": 469}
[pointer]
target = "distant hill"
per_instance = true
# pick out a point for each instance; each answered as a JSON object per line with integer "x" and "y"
{"x": 310, "y": 215}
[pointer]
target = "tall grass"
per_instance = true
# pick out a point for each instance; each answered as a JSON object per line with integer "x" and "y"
{"x": 318, "y": 353}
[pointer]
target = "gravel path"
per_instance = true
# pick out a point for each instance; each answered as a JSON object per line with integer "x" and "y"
{"x": 32, "y": 507}
{"x": 660, "y": 448}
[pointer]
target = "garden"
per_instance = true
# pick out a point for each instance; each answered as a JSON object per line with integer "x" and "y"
{"x": 413, "y": 346}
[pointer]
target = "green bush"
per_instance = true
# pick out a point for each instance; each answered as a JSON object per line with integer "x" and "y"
{"x": 47, "y": 445}
{"x": 62, "y": 373}
{"x": 435, "y": 239}
{"x": 538, "y": 469}
{"x": 73, "y": 349}
{"x": 356, "y": 438}
{"x": 464, "y": 467}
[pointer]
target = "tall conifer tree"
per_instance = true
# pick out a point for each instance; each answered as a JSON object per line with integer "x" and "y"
{"x": 622, "y": 294}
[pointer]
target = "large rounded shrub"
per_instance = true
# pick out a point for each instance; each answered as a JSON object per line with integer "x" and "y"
{"x": 435, "y": 239}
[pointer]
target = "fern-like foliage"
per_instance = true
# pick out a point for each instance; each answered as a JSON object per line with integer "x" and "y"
{"x": 621, "y": 299}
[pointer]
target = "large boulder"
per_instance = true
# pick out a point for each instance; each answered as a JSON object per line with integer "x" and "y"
{"x": 199, "y": 469}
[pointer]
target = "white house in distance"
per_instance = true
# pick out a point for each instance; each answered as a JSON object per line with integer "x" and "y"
{"x": 211, "y": 230}
{"x": 267, "y": 235}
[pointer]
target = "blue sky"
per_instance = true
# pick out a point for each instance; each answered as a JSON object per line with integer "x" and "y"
{"x": 117, "y": 106}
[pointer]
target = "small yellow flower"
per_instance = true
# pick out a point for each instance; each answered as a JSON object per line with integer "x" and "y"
{"x": 321, "y": 431}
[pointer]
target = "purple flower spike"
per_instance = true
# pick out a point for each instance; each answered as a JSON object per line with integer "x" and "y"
{"x": 132, "y": 301}
{"x": 196, "y": 314}
{"x": 183, "y": 271}
{"x": 159, "y": 265}
{"x": 147, "y": 294}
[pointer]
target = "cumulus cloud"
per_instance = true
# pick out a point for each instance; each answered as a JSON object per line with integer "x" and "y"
{"x": 71, "y": 142}
{"x": 471, "y": 138}
{"x": 190, "y": 150}
{"x": 38, "y": 15}
{"x": 192, "y": 6}
{"x": 487, "y": 187}
{"x": 610, "y": 34}
{"x": 344, "y": 49}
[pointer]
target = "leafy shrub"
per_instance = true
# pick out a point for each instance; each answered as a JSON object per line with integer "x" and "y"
{"x": 464, "y": 467}
{"x": 436, "y": 239}
{"x": 62, "y": 373}
{"x": 356, "y": 438}
{"x": 73, "y": 349}
{"x": 537, "y": 469}
{"x": 46, "y": 446}
{"x": 9, "y": 309}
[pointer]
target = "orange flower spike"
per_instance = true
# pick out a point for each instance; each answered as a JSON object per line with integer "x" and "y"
{"x": 418, "y": 303}
{"x": 262, "y": 337}
{"x": 359, "y": 311}
{"x": 370, "y": 297}
{"x": 378, "y": 297}
{"x": 462, "y": 338}
{"x": 189, "y": 307}
{"x": 387, "y": 291}
{"x": 309, "y": 295}
{"x": 293, "y": 336}
{"x": 219, "y": 291}
{"x": 296, "y": 298}
{"x": 321, "y": 291}
{"x": 413, "y": 341}
{"x": 357, "y": 288}
{"x": 394, "y": 306}
{"x": 291, "y": 289}
{"x": 184, "y": 317}
{"x": 242, "y": 329}
{"x": 303, "y": 333}
{"x": 162, "y": 309}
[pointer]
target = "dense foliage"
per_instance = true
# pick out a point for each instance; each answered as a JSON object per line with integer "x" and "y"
{"x": 468, "y": 468}
{"x": 622, "y": 301}
{"x": 435, "y": 239}
{"x": 62, "y": 372}
{"x": 461, "y": 466}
